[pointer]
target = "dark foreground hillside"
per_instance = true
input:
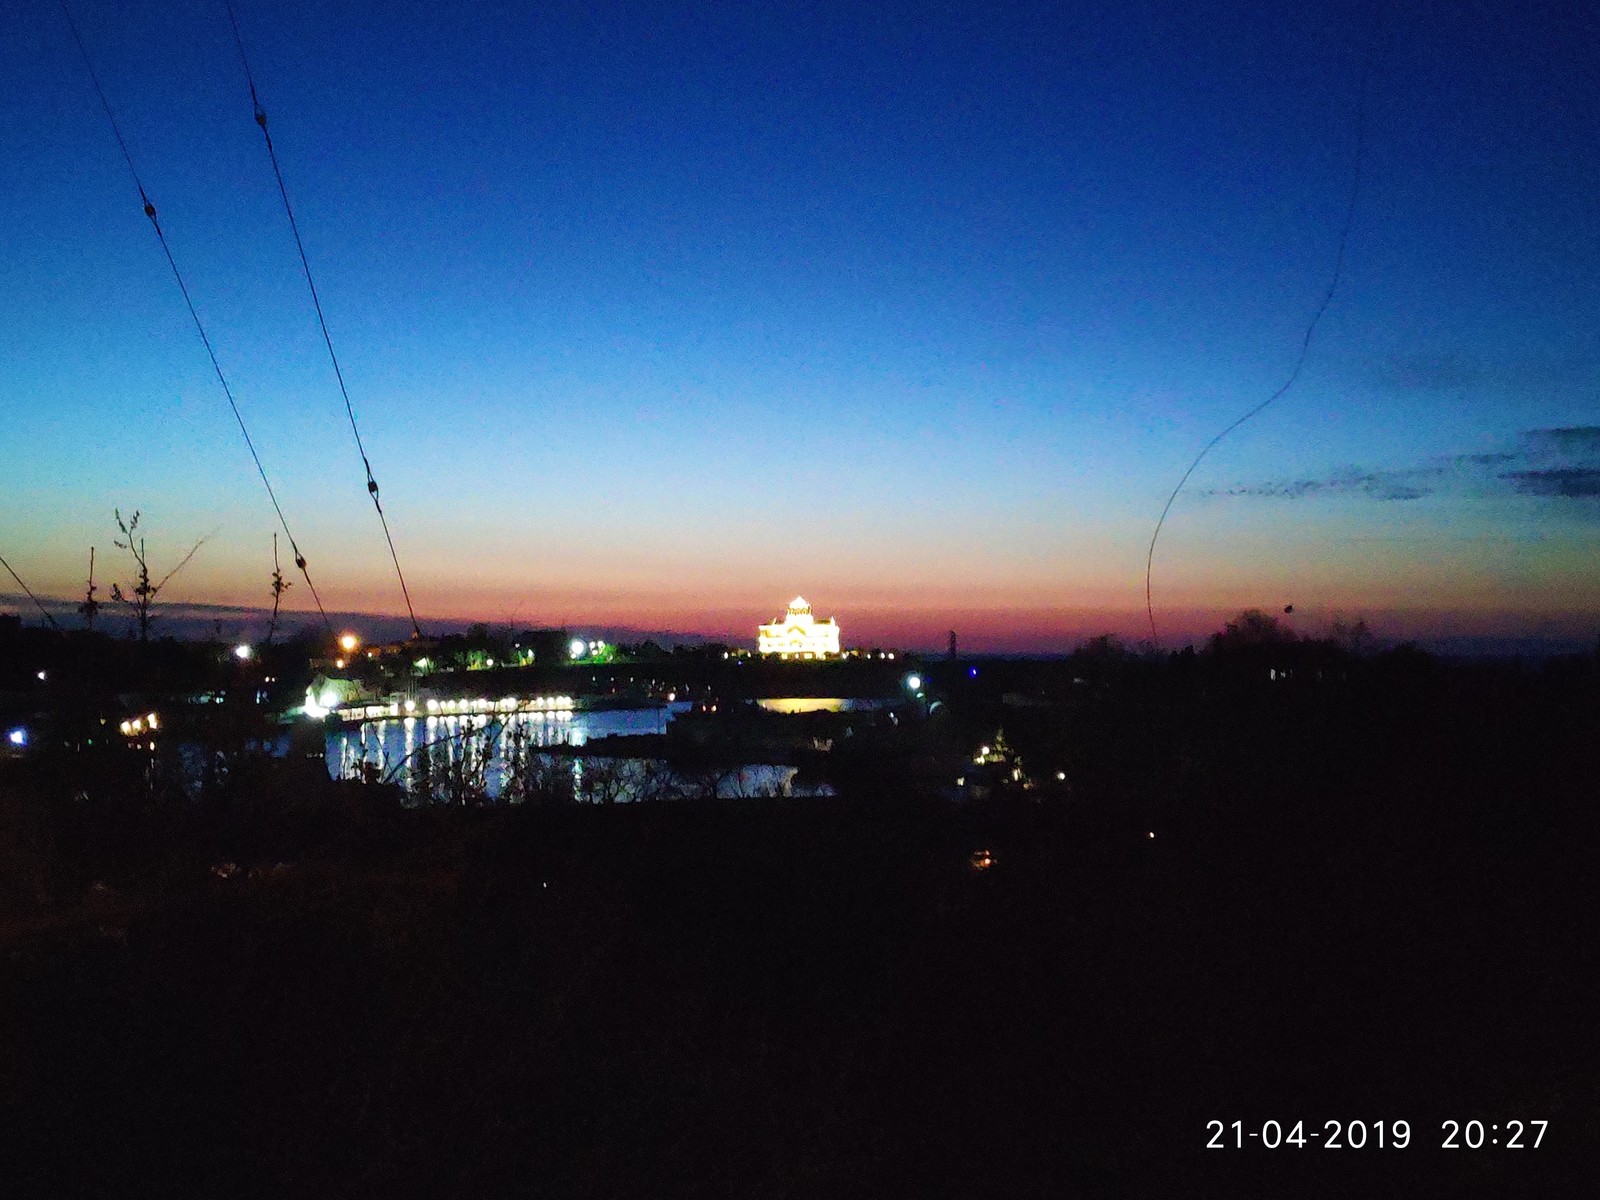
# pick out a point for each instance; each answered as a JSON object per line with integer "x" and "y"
{"x": 1351, "y": 910}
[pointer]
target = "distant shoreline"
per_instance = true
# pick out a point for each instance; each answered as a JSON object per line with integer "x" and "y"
{"x": 1566, "y": 633}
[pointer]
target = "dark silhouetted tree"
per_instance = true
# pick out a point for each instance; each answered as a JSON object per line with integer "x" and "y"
{"x": 1105, "y": 647}
{"x": 1353, "y": 637}
{"x": 280, "y": 585}
{"x": 1250, "y": 629}
{"x": 90, "y": 607}
{"x": 143, "y": 594}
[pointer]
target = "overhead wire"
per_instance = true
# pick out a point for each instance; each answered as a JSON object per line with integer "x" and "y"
{"x": 150, "y": 212}
{"x": 36, "y": 601}
{"x": 322, "y": 320}
{"x": 1305, "y": 341}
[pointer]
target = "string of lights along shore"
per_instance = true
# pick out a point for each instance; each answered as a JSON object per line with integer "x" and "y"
{"x": 797, "y": 634}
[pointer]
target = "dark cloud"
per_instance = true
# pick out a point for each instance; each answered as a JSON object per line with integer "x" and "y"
{"x": 1394, "y": 490}
{"x": 1576, "y": 441}
{"x": 1281, "y": 491}
{"x": 1376, "y": 485}
{"x": 1562, "y": 462}
{"x": 1384, "y": 485}
{"x": 1573, "y": 483}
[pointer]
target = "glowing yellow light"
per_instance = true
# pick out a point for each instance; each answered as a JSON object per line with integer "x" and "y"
{"x": 798, "y": 634}
{"x": 339, "y": 662}
{"x": 151, "y": 720}
{"x": 411, "y": 706}
{"x": 348, "y": 642}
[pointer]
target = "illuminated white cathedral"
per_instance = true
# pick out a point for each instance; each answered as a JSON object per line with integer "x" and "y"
{"x": 798, "y": 634}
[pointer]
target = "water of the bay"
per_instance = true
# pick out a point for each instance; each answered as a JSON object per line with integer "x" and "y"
{"x": 493, "y": 751}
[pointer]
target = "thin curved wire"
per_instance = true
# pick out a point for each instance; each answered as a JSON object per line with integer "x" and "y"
{"x": 150, "y": 211}
{"x": 327, "y": 338}
{"x": 1305, "y": 342}
{"x": 36, "y": 601}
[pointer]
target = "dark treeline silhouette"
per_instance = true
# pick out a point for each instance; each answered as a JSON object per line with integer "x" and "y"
{"x": 1277, "y": 878}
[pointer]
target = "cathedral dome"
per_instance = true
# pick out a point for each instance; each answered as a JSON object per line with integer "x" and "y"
{"x": 798, "y": 634}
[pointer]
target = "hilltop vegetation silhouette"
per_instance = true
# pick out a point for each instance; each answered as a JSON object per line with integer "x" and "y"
{"x": 1274, "y": 877}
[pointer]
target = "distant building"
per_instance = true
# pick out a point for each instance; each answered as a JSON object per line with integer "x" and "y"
{"x": 798, "y": 634}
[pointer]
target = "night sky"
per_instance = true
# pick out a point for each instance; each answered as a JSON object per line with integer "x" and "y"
{"x": 658, "y": 315}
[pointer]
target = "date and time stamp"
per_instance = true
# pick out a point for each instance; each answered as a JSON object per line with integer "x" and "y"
{"x": 1358, "y": 1135}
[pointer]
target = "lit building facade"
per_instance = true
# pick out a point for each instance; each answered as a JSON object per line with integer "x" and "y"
{"x": 798, "y": 634}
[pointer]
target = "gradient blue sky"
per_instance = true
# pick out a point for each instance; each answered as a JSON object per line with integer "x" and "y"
{"x": 657, "y": 315}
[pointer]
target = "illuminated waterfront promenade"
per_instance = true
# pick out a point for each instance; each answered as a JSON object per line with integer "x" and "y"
{"x": 474, "y": 707}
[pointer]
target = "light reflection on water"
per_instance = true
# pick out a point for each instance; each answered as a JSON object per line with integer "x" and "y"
{"x": 479, "y": 748}
{"x": 809, "y": 704}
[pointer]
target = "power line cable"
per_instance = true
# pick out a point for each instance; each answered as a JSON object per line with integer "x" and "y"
{"x": 322, "y": 320}
{"x": 36, "y": 601}
{"x": 150, "y": 211}
{"x": 1305, "y": 342}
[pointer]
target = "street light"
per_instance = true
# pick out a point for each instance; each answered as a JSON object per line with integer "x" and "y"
{"x": 242, "y": 652}
{"x": 348, "y": 642}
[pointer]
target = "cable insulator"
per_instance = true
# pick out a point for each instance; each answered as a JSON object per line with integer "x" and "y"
{"x": 316, "y": 301}
{"x": 177, "y": 275}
